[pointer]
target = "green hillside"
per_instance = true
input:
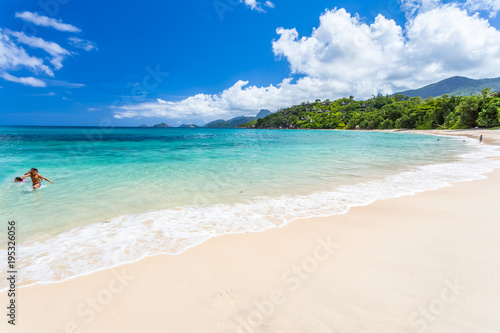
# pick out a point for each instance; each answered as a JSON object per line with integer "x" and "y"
{"x": 457, "y": 86}
{"x": 388, "y": 112}
{"x": 235, "y": 122}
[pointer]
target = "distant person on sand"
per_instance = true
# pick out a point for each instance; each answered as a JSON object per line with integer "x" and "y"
{"x": 481, "y": 138}
{"x": 36, "y": 178}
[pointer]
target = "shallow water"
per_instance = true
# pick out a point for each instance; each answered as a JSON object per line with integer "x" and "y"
{"x": 123, "y": 193}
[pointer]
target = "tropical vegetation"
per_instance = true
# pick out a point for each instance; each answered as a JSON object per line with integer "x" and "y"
{"x": 389, "y": 112}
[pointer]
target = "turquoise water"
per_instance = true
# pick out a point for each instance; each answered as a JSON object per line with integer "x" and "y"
{"x": 163, "y": 190}
{"x": 103, "y": 174}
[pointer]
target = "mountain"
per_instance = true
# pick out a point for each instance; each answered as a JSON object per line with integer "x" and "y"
{"x": 234, "y": 122}
{"x": 456, "y": 85}
{"x": 231, "y": 123}
{"x": 263, "y": 113}
{"x": 162, "y": 125}
{"x": 189, "y": 126}
{"x": 219, "y": 123}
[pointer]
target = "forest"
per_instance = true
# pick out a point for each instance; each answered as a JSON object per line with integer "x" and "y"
{"x": 389, "y": 112}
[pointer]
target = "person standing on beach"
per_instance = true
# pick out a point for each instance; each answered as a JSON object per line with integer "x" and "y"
{"x": 481, "y": 138}
{"x": 36, "y": 178}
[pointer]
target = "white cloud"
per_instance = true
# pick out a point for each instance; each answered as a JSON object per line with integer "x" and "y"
{"x": 412, "y": 7}
{"x": 441, "y": 42}
{"x": 492, "y": 6}
{"x": 55, "y": 50}
{"x": 257, "y": 5}
{"x": 60, "y": 83}
{"x": 45, "y": 94}
{"x": 82, "y": 44}
{"x": 345, "y": 56}
{"x": 14, "y": 57}
{"x": 27, "y": 81}
{"x": 47, "y": 22}
{"x": 240, "y": 99}
{"x": 269, "y": 4}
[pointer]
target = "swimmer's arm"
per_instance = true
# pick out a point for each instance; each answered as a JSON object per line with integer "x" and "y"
{"x": 45, "y": 179}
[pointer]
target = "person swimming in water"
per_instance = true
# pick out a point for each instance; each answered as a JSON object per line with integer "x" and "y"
{"x": 36, "y": 178}
{"x": 19, "y": 179}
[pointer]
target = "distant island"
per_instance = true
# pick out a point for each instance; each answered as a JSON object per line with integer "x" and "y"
{"x": 235, "y": 122}
{"x": 162, "y": 125}
{"x": 220, "y": 123}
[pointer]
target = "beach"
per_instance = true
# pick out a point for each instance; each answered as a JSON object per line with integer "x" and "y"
{"x": 426, "y": 262}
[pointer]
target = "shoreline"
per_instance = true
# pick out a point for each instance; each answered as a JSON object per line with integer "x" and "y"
{"x": 470, "y": 133}
{"x": 144, "y": 271}
{"x": 321, "y": 203}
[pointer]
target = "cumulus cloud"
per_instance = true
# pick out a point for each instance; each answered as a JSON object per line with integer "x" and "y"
{"x": 239, "y": 99}
{"x": 384, "y": 57}
{"x": 347, "y": 56}
{"x": 45, "y": 21}
{"x": 449, "y": 41}
{"x": 82, "y": 44}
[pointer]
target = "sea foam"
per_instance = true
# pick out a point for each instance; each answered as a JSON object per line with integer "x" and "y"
{"x": 128, "y": 238}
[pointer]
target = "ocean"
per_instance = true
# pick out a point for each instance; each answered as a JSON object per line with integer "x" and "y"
{"x": 122, "y": 194}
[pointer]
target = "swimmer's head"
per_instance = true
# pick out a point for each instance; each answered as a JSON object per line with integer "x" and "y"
{"x": 18, "y": 179}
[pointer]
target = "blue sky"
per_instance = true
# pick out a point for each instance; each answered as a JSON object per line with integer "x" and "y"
{"x": 67, "y": 62}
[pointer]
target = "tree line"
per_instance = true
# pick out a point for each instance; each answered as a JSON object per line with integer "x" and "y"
{"x": 389, "y": 112}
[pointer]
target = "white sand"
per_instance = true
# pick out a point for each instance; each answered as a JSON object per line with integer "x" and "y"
{"x": 423, "y": 263}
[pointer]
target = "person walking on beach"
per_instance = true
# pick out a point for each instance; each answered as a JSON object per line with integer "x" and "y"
{"x": 481, "y": 138}
{"x": 36, "y": 178}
